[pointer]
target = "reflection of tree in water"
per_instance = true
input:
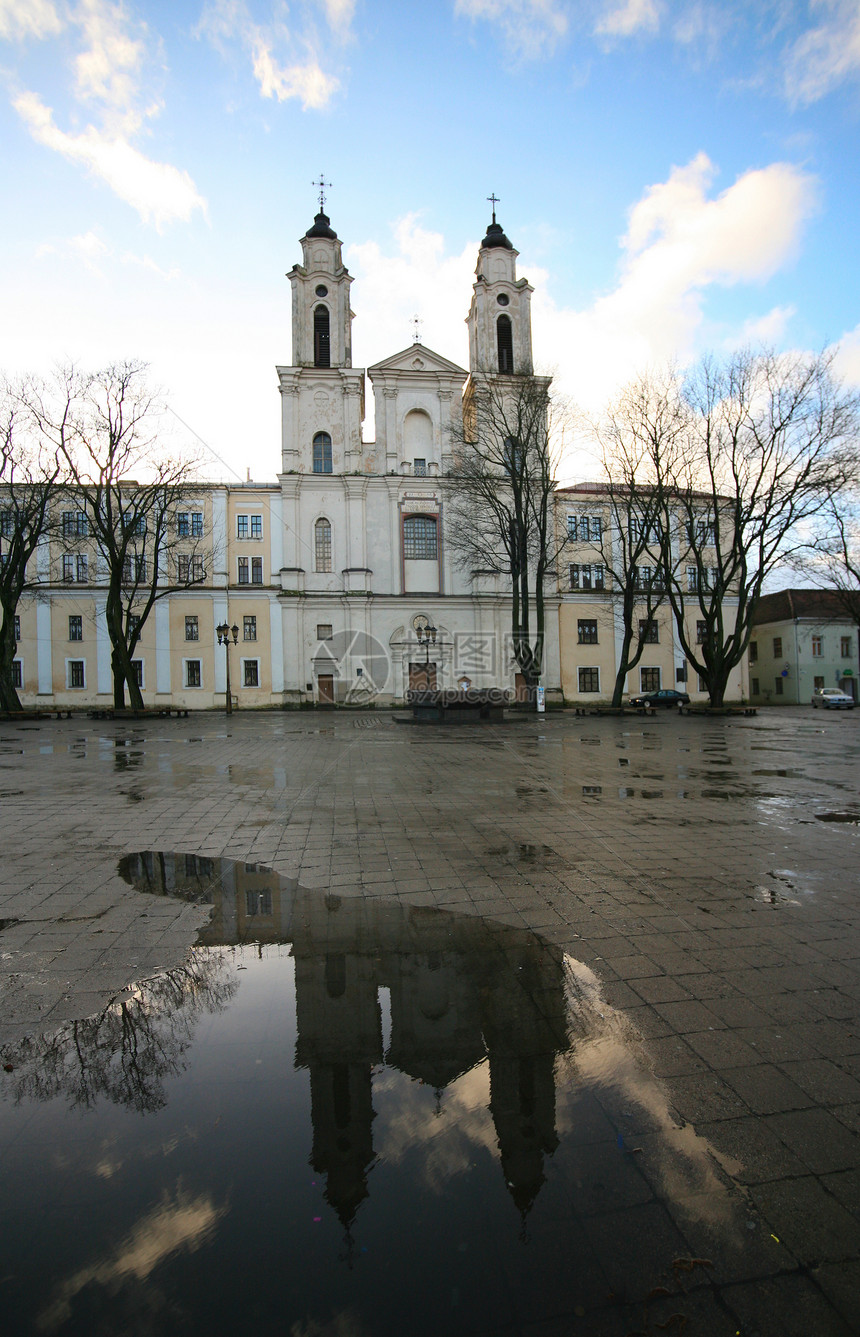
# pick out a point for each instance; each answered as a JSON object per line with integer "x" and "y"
{"x": 125, "y": 1052}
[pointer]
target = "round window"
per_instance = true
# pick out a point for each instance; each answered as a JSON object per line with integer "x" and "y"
{"x": 503, "y": 299}
{"x": 321, "y": 290}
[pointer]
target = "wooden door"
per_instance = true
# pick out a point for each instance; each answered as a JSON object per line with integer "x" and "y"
{"x": 422, "y": 677}
{"x": 325, "y": 688}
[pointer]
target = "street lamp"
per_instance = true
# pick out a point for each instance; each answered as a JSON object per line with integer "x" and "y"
{"x": 224, "y": 639}
{"x": 426, "y": 636}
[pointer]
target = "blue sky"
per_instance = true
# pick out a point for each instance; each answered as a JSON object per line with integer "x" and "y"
{"x": 678, "y": 176}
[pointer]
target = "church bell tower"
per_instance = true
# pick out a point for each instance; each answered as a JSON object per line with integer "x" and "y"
{"x": 499, "y": 319}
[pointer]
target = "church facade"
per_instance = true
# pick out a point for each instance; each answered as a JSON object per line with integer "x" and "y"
{"x": 331, "y": 574}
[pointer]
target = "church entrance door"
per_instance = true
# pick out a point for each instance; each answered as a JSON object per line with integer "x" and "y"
{"x": 325, "y": 687}
{"x": 422, "y": 677}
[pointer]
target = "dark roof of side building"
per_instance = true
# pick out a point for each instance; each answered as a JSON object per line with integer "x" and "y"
{"x": 787, "y": 605}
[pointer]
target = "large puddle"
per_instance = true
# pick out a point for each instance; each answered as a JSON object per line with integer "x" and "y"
{"x": 347, "y": 1117}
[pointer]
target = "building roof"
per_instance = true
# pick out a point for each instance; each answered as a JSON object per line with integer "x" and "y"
{"x": 788, "y": 605}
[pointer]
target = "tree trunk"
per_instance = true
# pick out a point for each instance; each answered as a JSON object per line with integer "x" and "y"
{"x": 8, "y": 695}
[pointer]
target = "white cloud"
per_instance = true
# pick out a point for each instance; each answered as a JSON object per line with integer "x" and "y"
{"x": 108, "y": 67}
{"x": 159, "y": 192}
{"x": 827, "y": 55}
{"x": 307, "y": 82}
{"x": 107, "y": 73}
{"x": 628, "y": 18}
{"x": 339, "y": 14}
{"x": 678, "y": 244}
{"x": 29, "y": 18}
{"x": 848, "y": 357}
{"x": 285, "y": 65}
{"x": 530, "y": 28}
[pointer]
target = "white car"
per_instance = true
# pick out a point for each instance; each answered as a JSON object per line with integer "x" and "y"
{"x": 830, "y": 698}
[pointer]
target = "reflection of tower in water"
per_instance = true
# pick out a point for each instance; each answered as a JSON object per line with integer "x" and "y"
{"x": 463, "y": 990}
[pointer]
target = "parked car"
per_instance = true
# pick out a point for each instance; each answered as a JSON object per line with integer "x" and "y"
{"x": 830, "y": 698}
{"x": 667, "y": 696}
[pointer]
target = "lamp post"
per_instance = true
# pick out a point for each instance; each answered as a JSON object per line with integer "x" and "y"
{"x": 426, "y": 636}
{"x": 224, "y": 639}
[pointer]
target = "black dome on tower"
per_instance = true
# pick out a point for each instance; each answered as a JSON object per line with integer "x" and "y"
{"x": 321, "y": 228}
{"x": 495, "y": 237}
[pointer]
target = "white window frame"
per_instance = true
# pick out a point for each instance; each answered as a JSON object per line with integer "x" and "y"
{"x": 251, "y": 687}
{"x": 76, "y": 659}
{"x": 650, "y": 668}
{"x": 186, "y": 685}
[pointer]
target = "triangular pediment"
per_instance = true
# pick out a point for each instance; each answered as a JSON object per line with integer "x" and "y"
{"x": 416, "y": 358}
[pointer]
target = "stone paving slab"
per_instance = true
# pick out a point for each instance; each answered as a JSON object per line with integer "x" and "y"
{"x": 683, "y": 860}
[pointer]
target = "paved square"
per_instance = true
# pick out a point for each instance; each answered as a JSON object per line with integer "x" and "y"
{"x": 706, "y": 871}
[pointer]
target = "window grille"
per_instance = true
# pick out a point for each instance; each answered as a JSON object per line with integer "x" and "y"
{"x": 322, "y": 453}
{"x": 322, "y": 546}
{"x": 419, "y": 538}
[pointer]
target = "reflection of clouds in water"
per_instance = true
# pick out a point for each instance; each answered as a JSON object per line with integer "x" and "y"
{"x": 605, "y": 1060}
{"x": 464, "y": 1118}
{"x": 177, "y": 1223}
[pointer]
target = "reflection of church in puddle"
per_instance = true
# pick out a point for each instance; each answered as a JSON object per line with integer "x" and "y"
{"x": 462, "y": 991}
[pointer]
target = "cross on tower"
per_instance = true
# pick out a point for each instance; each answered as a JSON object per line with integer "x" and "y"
{"x": 417, "y": 322}
{"x": 493, "y": 200}
{"x": 321, "y": 187}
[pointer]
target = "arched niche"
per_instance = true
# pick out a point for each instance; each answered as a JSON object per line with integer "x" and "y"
{"x": 418, "y": 436}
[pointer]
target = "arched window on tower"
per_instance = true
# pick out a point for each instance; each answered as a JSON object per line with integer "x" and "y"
{"x": 322, "y": 545}
{"x": 322, "y": 453}
{"x": 322, "y": 340}
{"x": 505, "y": 342}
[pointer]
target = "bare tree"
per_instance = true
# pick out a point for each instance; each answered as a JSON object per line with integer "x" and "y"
{"x": 107, "y": 429}
{"x": 28, "y": 476}
{"x": 503, "y": 483}
{"x": 644, "y": 425}
{"x": 768, "y": 444}
{"x": 833, "y": 556}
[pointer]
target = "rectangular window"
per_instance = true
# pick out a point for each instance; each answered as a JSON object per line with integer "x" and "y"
{"x": 701, "y": 631}
{"x": 753, "y": 652}
{"x": 574, "y": 575}
{"x": 76, "y": 628}
{"x": 192, "y": 629}
{"x": 75, "y": 524}
{"x": 256, "y": 526}
{"x": 183, "y": 527}
{"x": 324, "y": 631}
{"x": 256, "y": 570}
{"x": 777, "y": 647}
{"x": 818, "y": 683}
{"x": 703, "y": 686}
{"x": 139, "y": 526}
{"x": 76, "y": 672}
{"x": 137, "y": 669}
{"x": 419, "y": 538}
{"x": 845, "y": 647}
{"x": 681, "y": 673}
{"x": 649, "y": 679}
{"x": 17, "y": 675}
{"x": 196, "y": 524}
{"x": 7, "y": 524}
{"x": 420, "y": 468}
{"x": 571, "y": 527}
{"x": 589, "y": 680}
{"x": 754, "y": 687}
{"x": 16, "y": 628}
{"x": 258, "y": 902}
{"x": 197, "y": 569}
{"x": 583, "y": 576}
{"x": 193, "y": 677}
{"x": 818, "y": 647}
{"x": 644, "y": 530}
{"x": 251, "y": 672}
{"x": 249, "y": 628}
{"x": 243, "y": 571}
{"x": 779, "y": 686}
{"x": 134, "y": 569}
{"x": 649, "y": 632}
{"x": 241, "y": 526}
{"x": 692, "y": 579}
{"x": 587, "y": 629}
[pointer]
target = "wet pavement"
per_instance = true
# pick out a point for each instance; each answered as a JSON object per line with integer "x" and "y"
{"x": 337, "y": 1027}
